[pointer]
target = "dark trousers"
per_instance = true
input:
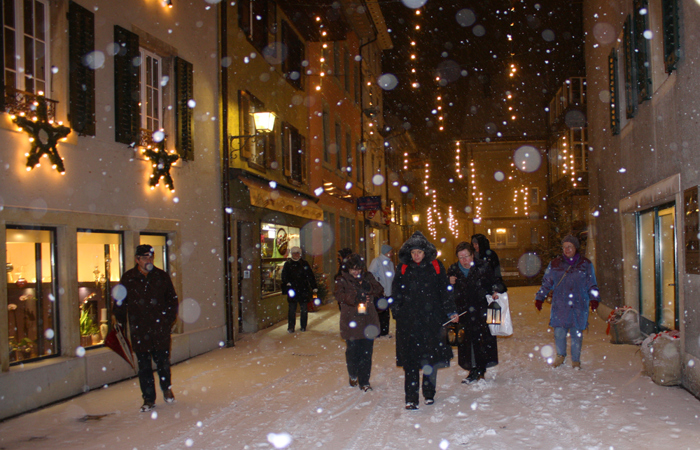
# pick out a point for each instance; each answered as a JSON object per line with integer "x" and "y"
{"x": 162, "y": 360}
{"x": 411, "y": 386}
{"x": 292, "y": 316}
{"x": 358, "y": 357}
{"x": 384, "y": 317}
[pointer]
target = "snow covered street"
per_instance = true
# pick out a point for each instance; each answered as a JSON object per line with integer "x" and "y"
{"x": 280, "y": 390}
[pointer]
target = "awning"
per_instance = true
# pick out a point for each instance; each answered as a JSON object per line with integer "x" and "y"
{"x": 263, "y": 196}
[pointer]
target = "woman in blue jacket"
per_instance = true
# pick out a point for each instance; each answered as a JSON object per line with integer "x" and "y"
{"x": 571, "y": 279}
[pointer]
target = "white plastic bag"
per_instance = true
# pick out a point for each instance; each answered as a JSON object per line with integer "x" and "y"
{"x": 506, "y": 326}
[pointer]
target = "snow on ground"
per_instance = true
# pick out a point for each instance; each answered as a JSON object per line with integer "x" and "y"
{"x": 280, "y": 390}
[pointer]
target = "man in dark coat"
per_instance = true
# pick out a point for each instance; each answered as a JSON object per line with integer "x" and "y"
{"x": 151, "y": 306}
{"x": 300, "y": 283}
{"x": 422, "y": 302}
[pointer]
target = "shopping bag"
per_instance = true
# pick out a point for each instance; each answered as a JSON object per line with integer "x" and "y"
{"x": 505, "y": 328}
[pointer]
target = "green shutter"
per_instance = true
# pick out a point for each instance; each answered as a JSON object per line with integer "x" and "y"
{"x": 630, "y": 68}
{"x": 127, "y": 114}
{"x": 613, "y": 87}
{"x": 672, "y": 38}
{"x": 81, "y": 38}
{"x": 184, "y": 92}
{"x": 641, "y": 45}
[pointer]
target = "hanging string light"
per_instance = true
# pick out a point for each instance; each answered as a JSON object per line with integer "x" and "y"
{"x": 458, "y": 164}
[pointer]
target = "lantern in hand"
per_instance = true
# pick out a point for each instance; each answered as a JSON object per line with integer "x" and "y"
{"x": 493, "y": 313}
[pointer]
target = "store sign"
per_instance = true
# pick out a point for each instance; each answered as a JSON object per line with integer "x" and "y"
{"x": 373, "y": 203}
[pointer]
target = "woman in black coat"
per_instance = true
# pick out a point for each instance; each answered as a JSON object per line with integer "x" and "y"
{"x": 421, "y": 303}
{"x": 473, "y": 280}
{"x": 484, "y": 253}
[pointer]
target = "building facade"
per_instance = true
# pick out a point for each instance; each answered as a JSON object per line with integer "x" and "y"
{"x": 107, "y": 107}
{"x": 640, "y": 64}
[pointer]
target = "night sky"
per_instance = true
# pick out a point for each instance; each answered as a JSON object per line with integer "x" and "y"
{"x": 467, "y": 45}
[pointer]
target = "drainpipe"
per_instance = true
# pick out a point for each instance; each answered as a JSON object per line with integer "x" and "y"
{"x": 225, "y": 186}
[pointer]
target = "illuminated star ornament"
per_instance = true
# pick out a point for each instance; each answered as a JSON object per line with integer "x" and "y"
{"x": 161, "y": 161}
{"x": 43, "y": 135}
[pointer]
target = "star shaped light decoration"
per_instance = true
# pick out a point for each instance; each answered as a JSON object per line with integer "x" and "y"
{"x": 43, "y": 135}
{"x": 161, "y": 160}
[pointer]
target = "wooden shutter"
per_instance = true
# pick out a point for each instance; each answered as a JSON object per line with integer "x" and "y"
{"x": 630, "y": 68}
{"x": 81, "y": 38}
{"x": 259, "y": 27}
{"x": 127, "y": 114}
{"x": 184, "y": 92}
{"x": 613, "y": 88}
{"x": 641, "y": 44}
{"x": 287, "y": 149}
{"x": 672, "y": 38}
{"x": 244, "y": 123}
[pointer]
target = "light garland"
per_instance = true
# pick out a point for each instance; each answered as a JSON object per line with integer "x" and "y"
{"x": 161, "y": 161}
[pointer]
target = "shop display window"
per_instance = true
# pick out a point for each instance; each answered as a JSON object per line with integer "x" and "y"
{"x": 31, "y": 293}
{"x": 99, "y": 269}
{"x": 276, "y": 242}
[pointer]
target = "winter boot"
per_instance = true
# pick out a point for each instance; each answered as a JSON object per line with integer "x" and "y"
{"x": 558, "y": 361}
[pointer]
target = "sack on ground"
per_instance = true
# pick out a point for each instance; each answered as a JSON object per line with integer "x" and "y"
{"x": 667, "y": 359}
{"x": 506, "y": 326}
{"x": 647, "y": 351}
{"x": 623, "y": 326}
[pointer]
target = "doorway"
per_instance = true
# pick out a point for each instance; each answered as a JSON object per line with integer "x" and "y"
{"x": 658, "y": 276}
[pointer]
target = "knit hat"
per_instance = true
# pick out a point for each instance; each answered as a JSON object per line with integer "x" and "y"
{"x": 295, "y": 250}
{"x": 386, "y": 249}
{"x": 573, "y": 240}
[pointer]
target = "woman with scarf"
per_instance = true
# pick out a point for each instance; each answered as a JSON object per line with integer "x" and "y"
{"x": 571, "y": 279}
{"x": 473, "y": 280}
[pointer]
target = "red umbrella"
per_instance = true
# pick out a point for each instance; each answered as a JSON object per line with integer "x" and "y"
{"x": 117, "y": 341}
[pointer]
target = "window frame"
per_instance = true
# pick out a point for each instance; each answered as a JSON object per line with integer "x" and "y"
{"x": 145, "y": 88}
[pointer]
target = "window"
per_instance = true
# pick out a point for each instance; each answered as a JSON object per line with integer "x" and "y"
{"x": 292, "y": 64}
{"x": 347, "y": 73}
{"x": 506, "y": 237}
{"x": 534, "y": 196}
{"x": 139, "y": 90}
{"x": 151, "y": 93}
{"x": 671, "y": 31}
{"x": 358, "y": 161}
{"x": 358, "y": 87}
{"x": 336, "y": 59}
{"x": 338, "y": 146}
{"x": 294, "y": 154}
{"x": 25, "y": 34}
{"x": 253, "y": 20}
{"x": 348, "y": 158}
{"x": 99, "y": 269}
{"x": 253, "y": 149}
{"x": 32, "y": 294}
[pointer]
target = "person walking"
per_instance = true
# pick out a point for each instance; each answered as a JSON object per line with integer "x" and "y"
{"x": 483, "y": 251}
{"x": 473, "y": 280}
{"x": 151, "y": 305}
{"x": 571, "y": 279}
{"x": 422, "y": 303}
{"x": 355, "y": 291}
{"x": 382, "y": 268}
{"x": 300, "y": 283}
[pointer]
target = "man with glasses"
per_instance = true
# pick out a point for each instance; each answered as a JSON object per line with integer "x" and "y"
{"x": 151, "y": 305}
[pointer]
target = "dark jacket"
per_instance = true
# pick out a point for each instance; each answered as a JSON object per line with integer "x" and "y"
{"x": 491, "y": 258}
{"x": 298, "y": 279}
{"x": 151, "y": 305}
{"x": 572, "y": 286}
{"x": 349, "y": 291}
{"x": 479, "y": 348}
{"x": 421, "y": 304}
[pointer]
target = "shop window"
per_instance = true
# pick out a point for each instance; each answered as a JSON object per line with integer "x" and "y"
{"x": 276, "y": 242}
{"x": 25, "y": 34}
{"x": 159, "y": 242}
{"x": 99, "y": 268}
{"x": 506, "y": 237}
{"x": 32, "y": 304}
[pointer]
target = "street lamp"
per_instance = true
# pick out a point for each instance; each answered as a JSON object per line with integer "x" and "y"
{"x": 264, "y": 123}
{"x": 416, "y": 218}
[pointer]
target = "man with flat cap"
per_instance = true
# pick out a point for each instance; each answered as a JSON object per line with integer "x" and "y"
{"x": 151, "y": 306}
{"x": 299, "y": 283}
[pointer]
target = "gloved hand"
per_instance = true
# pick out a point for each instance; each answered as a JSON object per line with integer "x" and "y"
{"x": 594, "y": 304}
{"x": 538, "y": 304}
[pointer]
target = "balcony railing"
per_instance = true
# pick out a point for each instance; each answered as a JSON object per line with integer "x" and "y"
{"x": 23, "y": 103}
